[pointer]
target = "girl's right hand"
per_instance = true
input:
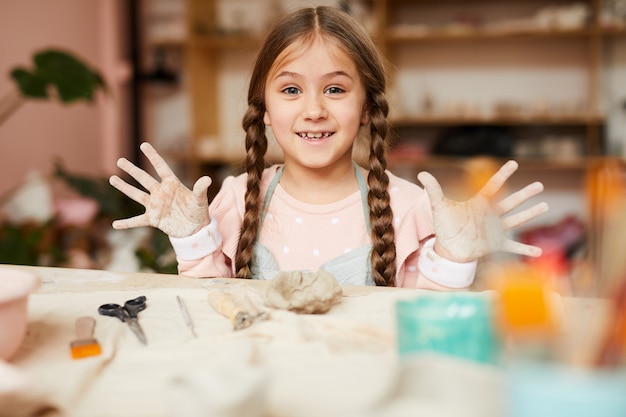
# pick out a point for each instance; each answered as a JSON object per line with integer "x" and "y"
{"x": 170, "y": 206}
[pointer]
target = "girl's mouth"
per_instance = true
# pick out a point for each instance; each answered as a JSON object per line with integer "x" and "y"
{"x": 313, "y": 136}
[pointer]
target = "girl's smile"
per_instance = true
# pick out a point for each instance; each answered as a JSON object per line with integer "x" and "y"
{"x": 315, "y": 138}
{"x": 314, "y": 103}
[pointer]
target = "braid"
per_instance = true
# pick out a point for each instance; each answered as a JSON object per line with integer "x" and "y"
{"x": 381, "y": 215}
{"x": 256, "y": 146}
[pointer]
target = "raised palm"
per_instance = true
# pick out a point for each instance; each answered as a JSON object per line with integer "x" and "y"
{"x": 470, "y": 229}
{"x": 170, "y": 206}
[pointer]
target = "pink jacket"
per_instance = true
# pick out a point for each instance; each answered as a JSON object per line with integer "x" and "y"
{"x": 304, "y": 236}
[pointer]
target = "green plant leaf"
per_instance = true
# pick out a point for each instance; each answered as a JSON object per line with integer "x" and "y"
{"x": 73, "y": 79}
{"x": 30, "y": 84}
{"x": 24, "y": 244}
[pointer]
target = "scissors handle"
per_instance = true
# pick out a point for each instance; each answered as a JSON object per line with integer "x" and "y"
{"x": 113, "y": 310}
{"x": 135, "y": 305}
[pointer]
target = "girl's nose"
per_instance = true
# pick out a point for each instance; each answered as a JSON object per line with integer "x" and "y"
{"x": 314, "y": 109}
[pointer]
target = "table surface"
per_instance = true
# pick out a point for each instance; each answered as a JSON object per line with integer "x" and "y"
{"x": 297, "y": 353}
{"x": 340, "y": 363}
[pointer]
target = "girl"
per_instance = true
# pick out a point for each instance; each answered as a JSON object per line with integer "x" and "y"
{"x": 318, "y": 83}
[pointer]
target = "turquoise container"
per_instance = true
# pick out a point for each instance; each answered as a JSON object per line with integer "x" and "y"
{"x": 549, "y": 389}
{"x": 456, "y": 324}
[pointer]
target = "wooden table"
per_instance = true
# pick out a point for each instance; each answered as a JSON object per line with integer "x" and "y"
{"x": 307, "y": 362}
{"x": 343, "y": 363}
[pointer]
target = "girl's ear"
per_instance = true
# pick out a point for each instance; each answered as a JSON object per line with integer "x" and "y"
{"x": 365, "y": 117}
{"x": 266, "y": 119}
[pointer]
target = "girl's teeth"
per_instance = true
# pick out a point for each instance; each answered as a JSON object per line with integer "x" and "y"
{"x": 311, "y": 135}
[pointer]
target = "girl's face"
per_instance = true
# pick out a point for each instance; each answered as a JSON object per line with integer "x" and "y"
{"x": 315, "y": 104}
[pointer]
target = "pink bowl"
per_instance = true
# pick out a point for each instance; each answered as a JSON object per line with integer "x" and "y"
{"x": 15, "y": 287}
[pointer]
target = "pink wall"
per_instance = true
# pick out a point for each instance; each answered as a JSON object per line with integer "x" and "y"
{"x": 87, "y": 138}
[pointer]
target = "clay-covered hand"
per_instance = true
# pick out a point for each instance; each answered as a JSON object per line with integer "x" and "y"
{"x": 170, "y": 206}
{"x": 470, "y": 229}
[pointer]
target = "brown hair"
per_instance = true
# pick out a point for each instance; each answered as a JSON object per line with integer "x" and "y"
{"x": 308, "y": 23}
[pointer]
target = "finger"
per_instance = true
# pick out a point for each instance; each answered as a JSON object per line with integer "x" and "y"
{"x": 515, "y": 199}
{"x": 521, "y": 248}
{"x": 130, "y": 191}
{"x": 522, "y": 217}
{"x": 432, "y": 187}
{"x": 498, "y": 179}
{"x": 141, "y": 176}
{"x": 159, "y": 164}
{"x": 137, "y": 221}
{"x": 201, "y": 186}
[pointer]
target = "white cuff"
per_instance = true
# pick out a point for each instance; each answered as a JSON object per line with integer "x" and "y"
{"x": 198, "y": 245}
{"x": 443, "y": 271}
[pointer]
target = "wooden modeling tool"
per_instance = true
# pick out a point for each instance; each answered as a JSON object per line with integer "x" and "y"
{"x": 85, "y": 344}
{"x": 225, "y": 303}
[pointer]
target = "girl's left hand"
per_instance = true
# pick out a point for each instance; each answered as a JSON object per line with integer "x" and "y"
{"x": 471, "y": 229}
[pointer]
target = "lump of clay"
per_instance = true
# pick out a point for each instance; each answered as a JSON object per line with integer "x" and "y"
{"x": 303, "y": 292}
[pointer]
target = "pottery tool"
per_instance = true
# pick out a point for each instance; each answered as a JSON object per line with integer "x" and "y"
{"x": 225, "y": 303}
{"x": 185, "y": 313}
{"x": 85, "y": 345}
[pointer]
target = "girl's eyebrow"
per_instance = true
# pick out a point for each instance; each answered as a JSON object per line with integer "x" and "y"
{"x": 326, "y": 76}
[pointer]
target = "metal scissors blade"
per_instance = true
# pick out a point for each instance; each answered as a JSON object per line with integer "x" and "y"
{"x": 136, "y": 328}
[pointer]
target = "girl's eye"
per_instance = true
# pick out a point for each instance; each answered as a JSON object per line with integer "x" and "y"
{"x": 292, "y": 91}
{"x": 334, "y": 90}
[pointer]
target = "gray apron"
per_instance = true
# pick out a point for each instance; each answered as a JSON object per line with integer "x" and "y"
{"x": 352, "y": 268}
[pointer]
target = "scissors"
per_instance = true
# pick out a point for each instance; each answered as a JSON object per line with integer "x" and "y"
{"x": 128, "y": 314}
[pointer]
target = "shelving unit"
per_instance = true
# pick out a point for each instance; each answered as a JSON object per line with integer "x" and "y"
{"x": 161, "y": 114}
{"x": 486, "y": 25}
{"x": 406, "y": 31}
{"x": 209, "y": 40}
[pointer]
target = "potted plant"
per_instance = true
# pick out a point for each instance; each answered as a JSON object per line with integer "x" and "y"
{"x": 56, "y": 74}
{"x": 60, "y": 75}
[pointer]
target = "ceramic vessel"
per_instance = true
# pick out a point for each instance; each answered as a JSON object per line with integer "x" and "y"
{"x": 15, "y": 287}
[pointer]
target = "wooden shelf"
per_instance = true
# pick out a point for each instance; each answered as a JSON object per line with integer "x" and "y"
{"x": 225, "y": 41}
{"x": 525, "y": 164}
{"x": 188, "y": 157}
{"x": 612, "y": 31}
{"x": 476, "y": 34}
{"x": 166, "y": 43}
{"x": 557, "y": 120}
{"x": 418, "y": 34}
